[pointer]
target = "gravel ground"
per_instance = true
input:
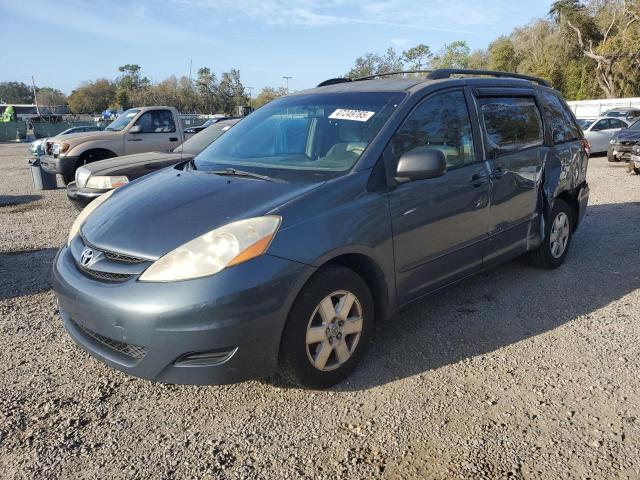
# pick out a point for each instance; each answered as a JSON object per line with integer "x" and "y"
{"x": 515, "y": 373}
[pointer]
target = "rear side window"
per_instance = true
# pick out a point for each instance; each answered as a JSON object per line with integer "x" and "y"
{"x": 615, "y": 123}
{"x": 511, "y": 124}
{"x": 563, "y": 127}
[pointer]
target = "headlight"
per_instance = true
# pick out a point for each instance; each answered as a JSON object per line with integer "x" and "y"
{"x": 214, "y": 251}
{"x": 88, "y": 210}
{"x": 60, "y": 148}
{"x": 105, "y": 182}
{"x": 613, "y": 141}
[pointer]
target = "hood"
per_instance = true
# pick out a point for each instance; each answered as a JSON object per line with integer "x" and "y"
{"x": 627, "y": 135}
{"x": 76, "y": 138}
{"x": 157, "y": 213}
{"x": 116, "y": 163}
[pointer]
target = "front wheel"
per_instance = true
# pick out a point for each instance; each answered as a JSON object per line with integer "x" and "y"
{"x": 327, "y": 330}
{"x": 557, "y": 239}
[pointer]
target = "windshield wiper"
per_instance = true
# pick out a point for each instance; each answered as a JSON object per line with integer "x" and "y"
{"x": 232, "y": 172}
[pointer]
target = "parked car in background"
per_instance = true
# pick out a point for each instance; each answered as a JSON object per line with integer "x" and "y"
{"x": 622, "y": 142}
{"x": 137, "y": 130}
{"x": 37, "y": 147}
{"x": 635, "y": 158}
{"x": 94, "y": 179}
{"x": 283, "y": 243}
{"x": 600, "y": 130}
{"x": 208, "y": 123}
{"x": 630, "y": 114}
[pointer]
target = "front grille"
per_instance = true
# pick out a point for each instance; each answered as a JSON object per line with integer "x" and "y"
{"x": 109, "y": 276}
{"x": 135, "y": 352}
{"x": 121, "y": 258}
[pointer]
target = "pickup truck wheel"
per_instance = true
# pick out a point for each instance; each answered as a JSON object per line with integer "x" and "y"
{"x": 88, "y": 157}
{"x": 327, "y": 329}
{"x": 636, "y": 170}
{"x": 557, "y": 238}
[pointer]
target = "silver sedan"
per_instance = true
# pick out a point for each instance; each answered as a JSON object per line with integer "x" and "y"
{"x": 599, "y": 131}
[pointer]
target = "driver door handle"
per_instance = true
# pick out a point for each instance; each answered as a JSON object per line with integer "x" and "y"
{"x": 134, "y": 139}
{"x": 173, "y": 139}
{"x": 477, "y": 180}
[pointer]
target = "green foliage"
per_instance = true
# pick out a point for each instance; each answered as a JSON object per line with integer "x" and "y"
{"x": 268, "y": 94}
{"x": 15, "y": 92}
{"x": 418, "y": 57}
{"x": 93, "y": 97}
{"x": 453, "y": 55}
{"x": 374, "y": 64}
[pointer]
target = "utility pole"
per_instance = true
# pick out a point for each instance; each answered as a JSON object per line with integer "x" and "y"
{"x": 35, "y": 97}
{"x": 287, "y": 80}
{"x": 190, "y": 65}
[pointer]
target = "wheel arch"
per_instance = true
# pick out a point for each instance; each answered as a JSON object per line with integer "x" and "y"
{"x": 572, "y": 200}
{"x": 94, "y": 154}
{"x": 371, "y": 273}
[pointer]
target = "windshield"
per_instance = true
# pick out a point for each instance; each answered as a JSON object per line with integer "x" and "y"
{"x": 201, "y": 140}
{"x": 584, "y": 123}
{"x": 123, "y": 120}
{"x": 314, "y": 133}
{"x": 614, "y": 113}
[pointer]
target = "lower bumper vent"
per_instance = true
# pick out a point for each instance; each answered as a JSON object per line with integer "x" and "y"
{"x": 135, "y": 352}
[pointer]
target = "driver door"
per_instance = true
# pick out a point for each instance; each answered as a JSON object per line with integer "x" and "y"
{"x": 157, "y": 133}
{"x": 440, "y": 225}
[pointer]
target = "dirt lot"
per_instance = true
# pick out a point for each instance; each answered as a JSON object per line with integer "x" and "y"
{"x": 516, "y": 373}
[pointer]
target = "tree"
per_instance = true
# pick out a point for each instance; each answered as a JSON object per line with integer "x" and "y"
{"x": 15, "y": 92}
{"x": 267, "y": 94}
{"x": 503, "y": 56}
{"x": 608, "y": 33}
{"x": 231, "y": 92}
{"x": 206, "y": 87}
{"x": 453, "y": 55}
{"x": 93, "y": 97}
{"x": 418, "y": 57}
{"x": 374, "y": 64}
{"x": 50, "y": 97}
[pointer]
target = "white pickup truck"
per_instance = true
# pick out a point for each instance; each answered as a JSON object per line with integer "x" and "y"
{"x": 137, "y": 130}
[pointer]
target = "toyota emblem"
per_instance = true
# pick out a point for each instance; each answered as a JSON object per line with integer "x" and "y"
{"x": 86, "y": 257}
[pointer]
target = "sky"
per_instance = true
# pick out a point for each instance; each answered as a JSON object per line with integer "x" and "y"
{"x": 64, "y": 42}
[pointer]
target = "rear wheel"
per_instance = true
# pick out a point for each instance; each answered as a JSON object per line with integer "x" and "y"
{"x": 558, "y": 232}
{"x": 327, "y": 330}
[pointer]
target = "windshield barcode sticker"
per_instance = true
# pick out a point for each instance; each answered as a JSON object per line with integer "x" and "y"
{"x": 355, "y": 115}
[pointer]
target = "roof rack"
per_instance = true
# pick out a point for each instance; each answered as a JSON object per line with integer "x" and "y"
{"x": 441, "y": 74}
{"x": 448, "y": 72}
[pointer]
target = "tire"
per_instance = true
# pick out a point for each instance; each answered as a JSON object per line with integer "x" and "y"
{"x": 551, "y": 254}
{"x": 88, "y": 157}
{"x": 299, "y": 362}
{"x": 636, "y": 170}
{"x": 67, "y": 178}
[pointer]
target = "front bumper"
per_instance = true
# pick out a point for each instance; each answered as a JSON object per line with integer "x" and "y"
{"x": 61, "y": 165}
{"x": 81, "y": 197}
{"x": 619, "y": 152}
{"x": 147, "y": 329}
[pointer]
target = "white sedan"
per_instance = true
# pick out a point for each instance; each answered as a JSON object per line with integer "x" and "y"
{"x": 599, "y": 131}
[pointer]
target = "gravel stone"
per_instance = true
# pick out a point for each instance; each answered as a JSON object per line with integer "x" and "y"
{"x": 516, "y": 373}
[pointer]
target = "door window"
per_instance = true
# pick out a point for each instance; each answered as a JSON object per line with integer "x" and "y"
{"x": 615, "y": 123}
{"x": 511, "y": 124}
{"x": 156, "y": 121}
{"x": 441, "y": 122}
{"x": 601, "y": 125}
{"x": 563, "y": 126}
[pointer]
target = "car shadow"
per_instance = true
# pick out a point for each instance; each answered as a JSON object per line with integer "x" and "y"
{"x": 509, "y": 303}
{"x": 15, "y": 200}
{"x": 25, "y": 272}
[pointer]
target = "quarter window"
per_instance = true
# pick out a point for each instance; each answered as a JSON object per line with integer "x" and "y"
{"x": 511, "y": 124}
{"x": 156, "y": 121}
{"x": 441, "y": 122}
{"x": 563, "y": 126}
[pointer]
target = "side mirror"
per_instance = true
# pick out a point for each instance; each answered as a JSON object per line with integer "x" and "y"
{"x": 135, "y": 129}
{"x": 421, "y": 163}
